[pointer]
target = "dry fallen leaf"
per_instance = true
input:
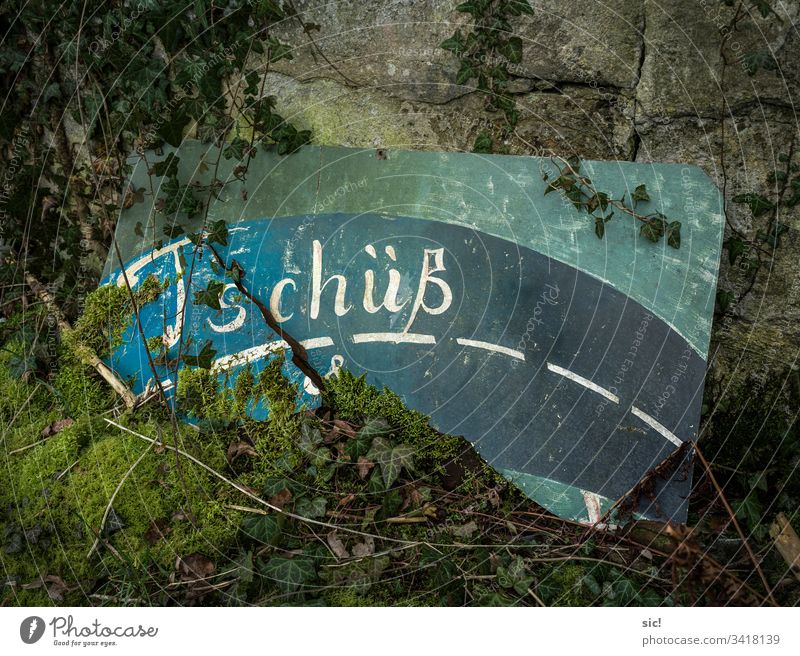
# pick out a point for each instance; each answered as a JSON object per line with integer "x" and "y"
{"x": 337, "y": 546}
{"x": 365, "y": 548}
{"x": 54, "y": 584}
{"x": 57, "y": 426}
{"x": 196, "y": 566}
{"x": 465, "y": 530}
{"x": 494, "y": 498}
{"x": 237, "y": 449}
{"x": 280, "y": 499}
{"x": 786, "y": 542}
{"x": 159, "y": 529}
{"x": 344, "y": 428}
{"x": 346, "y": 500}
{"x": 363, "y": 466}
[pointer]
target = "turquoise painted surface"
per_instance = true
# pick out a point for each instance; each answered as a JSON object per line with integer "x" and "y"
{"x": 569, "y": 500}
{"x": 499, "y": 195}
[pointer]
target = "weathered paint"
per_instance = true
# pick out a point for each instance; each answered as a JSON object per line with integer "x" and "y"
{"x": 497, "y": 195}
{"x": 489, "y": 307}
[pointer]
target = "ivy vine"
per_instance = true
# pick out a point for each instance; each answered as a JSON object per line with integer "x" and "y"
{"x": 579, "y": 190}
{"x": 486, "y": 53}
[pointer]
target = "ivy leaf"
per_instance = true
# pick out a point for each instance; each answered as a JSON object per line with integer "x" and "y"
{"x": 289, "y": 138}
{"x": 235, "y": 273}
{"x": 625, "y": 591}
{"x": 375, "y": 426}
{"x": 724, "y": 299}
{"x": 515, "y": 576}
{"x": 761, "y": 59}
{"x": 275, "y": 484}
{"x": 562, "y": 182}
{"x": 777, "y": 176}
{"x": 167, "y": 167}
{"x": 640, "y": 194}
{"x": 171, "y": 130}
{"x": 483, "y": 144}
{"x": 674, "y": 234}
{"x": 653, "y": 229}
{"x": 268, "y": 9}
{"x": 203, "y": 359}
{"x": 758, "y": 481}
{"x": 244, "y": 567}
{"x": 175, "y": 230}
{"x": 266, "y": 529}
{"x": 517, "y": 7}
{"x": 264, "y": 117}
{"x": 218, "y": 234}
{"x": 512, "y": 50}
{"x": 52, "y": 90}
{"x": 773, "y": 237}
{"x": 290, "y": 574}
{"x": 599, "y": 227}
{"x": 756, "y": 202}
{"x": 375, "y": 483}
{"x": 391, "y": 460}
{"x": 380, "y": 451}
{"x": 748, "y": 510}
{"x": 454, "y": 44}
{"x": 591, "y": 584}
{"x": 496, "y": 599}
{"x": 235, "y": 149}
{"x": 311, "y": 508}
{"x": 278, "y": 50}
{"x": 310, "y": 436}
{"x": 465, "y": 73}
{"x": 736, "y": 247}
{"x": 474, "y": 8}
{"x": 210, "y": 295}
{"x": 765, "y": 8}
{"x": 359, "y": 445}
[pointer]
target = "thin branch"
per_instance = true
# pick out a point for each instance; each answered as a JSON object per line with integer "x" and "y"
{"x": 299, "y": 354}
{"x": 114, "y": 496}
{"x": 738, "y": 528}
{"x": 90, "y": 357}
{"x": 260, "y": 501}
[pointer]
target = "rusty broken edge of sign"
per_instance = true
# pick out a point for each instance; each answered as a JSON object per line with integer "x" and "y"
{"x": 574, "y": 365}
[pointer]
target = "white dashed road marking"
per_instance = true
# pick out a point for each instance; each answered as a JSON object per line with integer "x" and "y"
{"x": 258, "y": 352}
{"x": 394, "y": 338}
{"x": 488, "y": 346}
{"x": 588, "y": 384}
{"x": 656, "y": 426}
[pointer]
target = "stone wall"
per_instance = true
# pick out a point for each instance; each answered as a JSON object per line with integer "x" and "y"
{"x": 613, "y": 79}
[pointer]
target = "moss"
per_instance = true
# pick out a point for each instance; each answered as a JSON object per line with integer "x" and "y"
{"x": 352, "y": 397}
{"x": 107, "y": 313}
{"x": 105, "y": 317}
{"x": 281, "y": 398}
{"x": 80, "y": 389}
{"x": 243, "y": 390}
{"x": 149, "y": 290}
{"x": 155, "y": 343}
{"x": 199, "y": 394}
{"x": 53, "y": 496}
{"x": 563, "y": 586}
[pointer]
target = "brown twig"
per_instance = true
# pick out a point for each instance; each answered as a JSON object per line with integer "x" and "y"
{"x": 738, "y": 528}
{"x": 299, "y": 354}
{"x": 90, "y": 357}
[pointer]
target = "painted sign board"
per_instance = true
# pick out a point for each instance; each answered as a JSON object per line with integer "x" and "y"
{"x": 574, "y": 365}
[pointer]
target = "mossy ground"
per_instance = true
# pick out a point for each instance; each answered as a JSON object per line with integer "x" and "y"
{"x": 376, "y": 507}
{"x": 53, "y": 495}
